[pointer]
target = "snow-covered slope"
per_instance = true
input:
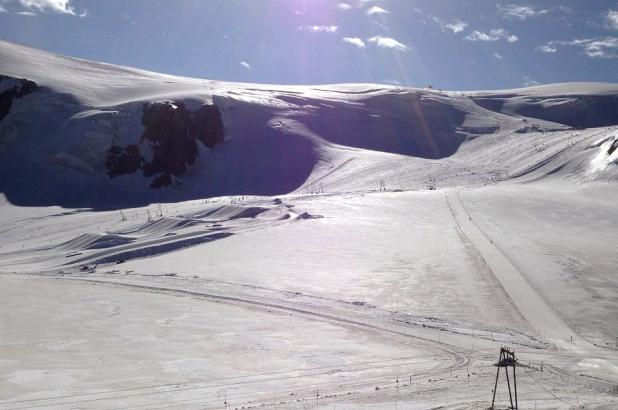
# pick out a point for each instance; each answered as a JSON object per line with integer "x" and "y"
{"x": 83, "y": 135}
{"x": 171, "y": 242}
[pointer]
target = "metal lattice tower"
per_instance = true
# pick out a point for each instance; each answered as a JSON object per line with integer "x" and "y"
{"x": 506, "y": 360}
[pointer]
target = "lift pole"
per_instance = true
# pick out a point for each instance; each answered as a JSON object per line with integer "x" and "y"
{"x": 506, "y": 360}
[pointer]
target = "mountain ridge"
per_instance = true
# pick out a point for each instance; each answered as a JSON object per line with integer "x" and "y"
{"x": 275, "y": 139}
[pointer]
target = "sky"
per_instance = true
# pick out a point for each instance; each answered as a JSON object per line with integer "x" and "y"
{"x": 449, "y": 44}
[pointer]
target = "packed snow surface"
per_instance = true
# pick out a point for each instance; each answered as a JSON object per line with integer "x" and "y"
{"x": 346, "y": 246}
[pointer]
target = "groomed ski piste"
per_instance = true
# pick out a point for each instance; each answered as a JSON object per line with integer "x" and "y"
{"x": 345, "y": 246}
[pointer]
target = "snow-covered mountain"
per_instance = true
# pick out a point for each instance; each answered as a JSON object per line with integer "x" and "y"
{"x": 169, "y": 242}
{"x": 80, "y": 133}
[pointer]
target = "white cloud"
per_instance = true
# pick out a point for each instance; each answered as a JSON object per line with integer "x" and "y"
{"x": 520, "y": 12}
{"x": 598, "y": 47}
{"x": 35, "y": 7}
{"x": 547, "y": 48}
{"x": 319, "y": 29}
{"x": 493, "y": 35}
{"x": 498, "y": 56}
{"x": 606, "y": 47}
{"x": 479, "y": 36}
{"x": 354, "y": 41}
{"x": 57, "y": 6}
{"x": 611, "y": 19}
{"x": 344, "y": 6}
{"x": 246, "y": 65}
{"x": 529, "y": 82}
{"x": 376, "y": 10}
{"x": 457, "y": 26}
{"x": 387, "y": 42}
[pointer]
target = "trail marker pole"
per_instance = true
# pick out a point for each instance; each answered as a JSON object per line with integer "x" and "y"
{"x": 397, "y": 398}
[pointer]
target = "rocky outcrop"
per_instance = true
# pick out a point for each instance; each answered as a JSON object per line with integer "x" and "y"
{"x": 210, "y": 125}
{"x": 172, "y": 132}
{"x": 161, "y": 181}
{"x": 11, "y": 89}
{"x": 122, "y": 161}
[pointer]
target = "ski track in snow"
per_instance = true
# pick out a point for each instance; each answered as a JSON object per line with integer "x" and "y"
{"x": 533, "y": 308}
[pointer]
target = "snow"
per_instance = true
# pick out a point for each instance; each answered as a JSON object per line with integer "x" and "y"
{"x": 548, "y": 237}
{"x": 377, "y": 244}
{"x": 148, "y": 341}
{"x": 560, "y": 89}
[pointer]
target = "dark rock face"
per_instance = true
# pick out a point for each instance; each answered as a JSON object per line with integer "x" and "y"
{"x": 21, "y": 88}
{"x": 209, "y": 125}
{"x": 122, "y": 161}
{"x": 161, "y": 181}
{"x": 172, "y": 131}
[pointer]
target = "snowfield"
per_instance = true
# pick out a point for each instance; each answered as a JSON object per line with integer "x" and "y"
{"x": 345, "y": 246}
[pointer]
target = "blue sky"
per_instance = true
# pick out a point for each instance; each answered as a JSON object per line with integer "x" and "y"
{"x": 456, "y": 45}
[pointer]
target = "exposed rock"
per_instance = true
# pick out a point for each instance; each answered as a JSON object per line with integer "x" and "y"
{"x": 172, "y": 131}
{"x": 27, "y": 87}
{"x": 17, "y": 88}
{"x": 122, "y": 161}
{"x": 161, "y": 181}
{"x": 210, "y": 125}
